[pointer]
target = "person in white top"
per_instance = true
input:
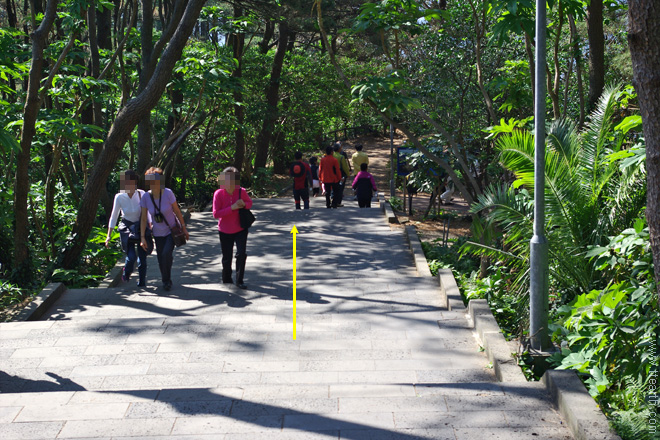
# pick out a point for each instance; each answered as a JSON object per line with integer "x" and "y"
{"x": 128, "y": 202}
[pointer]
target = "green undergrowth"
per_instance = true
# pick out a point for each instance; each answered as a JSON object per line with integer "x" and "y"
{"x": 609, "y": 335}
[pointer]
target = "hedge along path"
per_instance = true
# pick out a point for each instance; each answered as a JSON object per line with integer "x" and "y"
{"x": 377, "y": 355}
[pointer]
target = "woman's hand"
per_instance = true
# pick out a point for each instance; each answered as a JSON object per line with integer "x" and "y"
{"x": 107, "y": 241}
{"x": 143, "y": 243}
{"x": 185, "y": 232}
{"x": 238, "y": 205}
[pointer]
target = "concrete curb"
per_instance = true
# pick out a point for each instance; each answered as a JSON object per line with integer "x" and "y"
{"x": 498, "y": 350}
{"x": 113, "y": 277}
{"x": 421, "y": 264}
{"x": 389, "y": 213}
{"x": 449, "y": 290}
{"x": 41, "y": 302}
{"x": 576, "y": 406}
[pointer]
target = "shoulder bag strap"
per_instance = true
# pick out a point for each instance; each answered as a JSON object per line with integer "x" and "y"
{"x": 159, "y": 211}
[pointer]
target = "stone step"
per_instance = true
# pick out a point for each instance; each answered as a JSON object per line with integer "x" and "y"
{"x": 375, "y": 355}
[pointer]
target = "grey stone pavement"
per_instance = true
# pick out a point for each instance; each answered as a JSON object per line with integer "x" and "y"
{"x": 376, "y": 356}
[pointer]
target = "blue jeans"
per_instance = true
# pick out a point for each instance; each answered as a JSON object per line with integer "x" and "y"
{"x": 141, "y": 262}
{"x": 164, "y": 251}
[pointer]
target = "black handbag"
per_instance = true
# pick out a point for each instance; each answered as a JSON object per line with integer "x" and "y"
{"x": 245, "y": 216}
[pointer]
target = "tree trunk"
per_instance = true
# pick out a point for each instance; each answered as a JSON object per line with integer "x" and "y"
{"x": 104, "y": 28}
{"x": 128, "y": 117}
{"x": 11, "y": 14}
{"x": 644, "y": 42}
{"x": 479, "y": 28}
{"x": 268, "y": 35}
{"x": 529, "y": 50}
{"x": 596, "y": 51}
{"x": 272, "y": 99}
{"x": 238, "y": 44}
{"x": 144, "y": 144}
{"x": 577, "y": 54}
{"x": 30, "y": 112}
{"x": 280, "y": 161}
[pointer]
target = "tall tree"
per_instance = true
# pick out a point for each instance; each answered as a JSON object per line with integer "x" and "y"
{"x": 30, "y": 112}
{"x": 238, "y": 45}
{"x": 128, "y": 117}
{"x": 272, "y": 98}
{"x": 644, "y": 42}
{"x": 596, "y": 51}
{"x": 144, "y": 145}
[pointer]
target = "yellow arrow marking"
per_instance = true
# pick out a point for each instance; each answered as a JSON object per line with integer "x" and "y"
{"x": 294, "y": 231}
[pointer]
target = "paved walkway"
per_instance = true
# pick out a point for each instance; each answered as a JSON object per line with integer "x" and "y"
{"x": 376, "y": 356}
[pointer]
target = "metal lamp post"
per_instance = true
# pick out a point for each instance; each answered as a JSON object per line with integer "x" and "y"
{"x": 392, "y": 168}
{"x": 538, "y": 295}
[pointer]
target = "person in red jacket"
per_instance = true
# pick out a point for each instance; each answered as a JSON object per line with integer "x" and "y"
{"x": 330, "y": 175}
{"x": 302, "y": 180}
{"x": 226, "y": 202}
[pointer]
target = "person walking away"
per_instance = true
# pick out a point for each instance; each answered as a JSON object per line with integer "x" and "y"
{"x": 344, "y": 169}
{"x": 127, "y": 201}
{"x": 302, "y": 180}
{"x": 226, "y": 202}
{"x": 364, "y": 186}
{"x": 160, "y": 203}
{"x": 330, "y": 177}
{"x": 316, "y": 183}
{"x": 359, "y": 157}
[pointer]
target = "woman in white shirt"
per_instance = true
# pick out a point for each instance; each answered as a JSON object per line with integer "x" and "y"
{"x": 128, "y": 202}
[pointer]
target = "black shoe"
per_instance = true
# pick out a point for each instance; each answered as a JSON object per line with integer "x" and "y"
{"x": 229, "y": 281}
{"x": 241, "y": 285}
{"x": 167, "y": 286}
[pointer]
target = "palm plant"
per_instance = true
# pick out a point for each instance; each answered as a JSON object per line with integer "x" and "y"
{"x": 588, "y": 195}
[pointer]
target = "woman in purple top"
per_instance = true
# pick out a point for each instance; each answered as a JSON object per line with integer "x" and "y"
{"x": 160, "y": 202}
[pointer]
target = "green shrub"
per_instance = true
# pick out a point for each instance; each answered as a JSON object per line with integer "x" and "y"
{"x": 610, "y": 336}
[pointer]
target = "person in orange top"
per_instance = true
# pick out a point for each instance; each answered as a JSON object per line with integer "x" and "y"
{"x": 330, "y": 175}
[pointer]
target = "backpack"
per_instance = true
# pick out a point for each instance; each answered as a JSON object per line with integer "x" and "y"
{"x": 297, "y": 169}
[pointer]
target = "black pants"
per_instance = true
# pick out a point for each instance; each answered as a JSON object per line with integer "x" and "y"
{"x": 364, "y": 203}
{"x": 301, "y": 194}
{"x": 331, "y": 189}
{"x": 227, "y": 244}
{"x": 340, "y": 192}
{"x": 164, "y": 251}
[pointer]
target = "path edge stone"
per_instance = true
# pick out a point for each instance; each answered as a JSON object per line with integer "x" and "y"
{"x": 41, "y": 302}
{"x": 453, "y": 301}
{"x": 389, "y": 212}
{"x": 576, "y": 406}
{"x": 415, "y": 245}
{"x": 499, "y": 351}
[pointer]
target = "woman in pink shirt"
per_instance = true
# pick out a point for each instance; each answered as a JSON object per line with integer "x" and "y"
{"x": 226, "y": 202}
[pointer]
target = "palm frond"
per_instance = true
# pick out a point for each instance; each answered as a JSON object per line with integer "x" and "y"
{"x": 597, "y": 132}
{"x": 482, "y": 250}
{"x": 563, "y": 138}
